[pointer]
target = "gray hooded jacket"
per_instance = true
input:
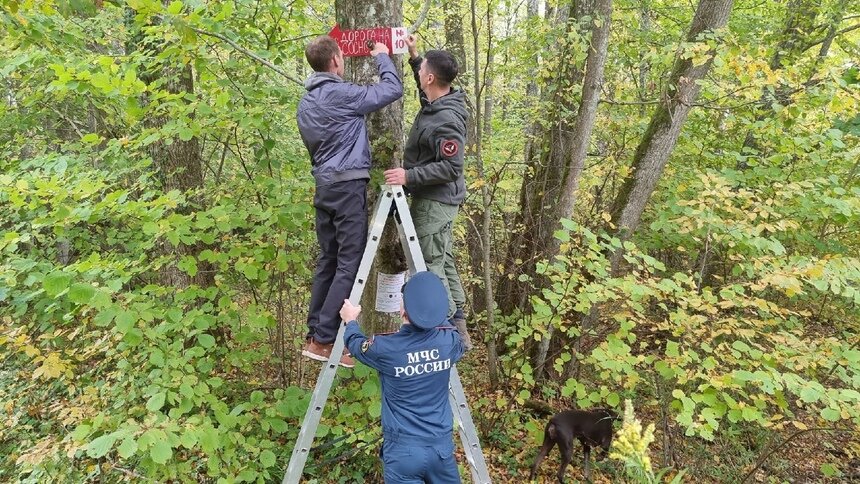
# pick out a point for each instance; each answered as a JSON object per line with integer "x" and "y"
{"x": 331, "y": 121}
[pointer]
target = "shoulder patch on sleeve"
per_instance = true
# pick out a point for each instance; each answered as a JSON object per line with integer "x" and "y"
{"x": 450, "y": 148}
{"x": 366, "y": 345}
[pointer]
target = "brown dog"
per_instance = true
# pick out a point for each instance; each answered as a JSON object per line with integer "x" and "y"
{"x": 591, "y": 427}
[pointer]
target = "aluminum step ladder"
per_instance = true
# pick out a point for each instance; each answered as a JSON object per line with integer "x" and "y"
{"x": 390, "y": 194}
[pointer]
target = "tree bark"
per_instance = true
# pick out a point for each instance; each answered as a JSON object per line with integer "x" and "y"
{"x": 480, "y": 223}
{"x": 180, "y": 168}
{"x": 179, "y": 163}
{"x": 547, "y": 191}
{"x": 385, "y": 128}
{"x": 582, "y": 128}
{"x": 665, "y": 127}
{"x": 655, "y": 147}
{"x": 454, "y": 41}
{"x": 532, "y": 94}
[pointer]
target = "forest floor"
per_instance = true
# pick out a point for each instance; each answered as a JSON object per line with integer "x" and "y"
{"x": 510, "y": 452}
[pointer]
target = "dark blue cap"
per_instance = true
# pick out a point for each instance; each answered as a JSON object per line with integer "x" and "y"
{"x": 425, "y": 300}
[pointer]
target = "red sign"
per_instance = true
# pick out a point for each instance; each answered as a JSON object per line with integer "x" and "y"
{"x": 353, "y": 43}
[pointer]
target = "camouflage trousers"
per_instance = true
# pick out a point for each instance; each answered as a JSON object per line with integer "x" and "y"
{"x": 433, "y": 223}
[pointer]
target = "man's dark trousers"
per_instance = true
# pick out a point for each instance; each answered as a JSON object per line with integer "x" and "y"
{"x": 341, "y": 226}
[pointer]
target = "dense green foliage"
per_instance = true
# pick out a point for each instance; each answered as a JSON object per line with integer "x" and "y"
{"x": 734, "y": 322}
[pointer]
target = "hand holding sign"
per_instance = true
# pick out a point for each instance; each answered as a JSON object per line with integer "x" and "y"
{"x": 377, "y": 48}
{"x": 411, "y": 44}
{"x": 356, "y": 43}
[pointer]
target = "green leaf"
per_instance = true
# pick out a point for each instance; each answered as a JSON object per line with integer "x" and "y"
{"x": 91, "y": 138}
{"x": 250, "y": 271}
{"x": 127, "y": 448}
{"x": 56, "y": 282}
{"x": 852, "y": 355}
{"x": 210, "y": 439}
{"x": 186, "y": 133}
{"x": 188, "y": 439}
{"x": 188, "y": 264}
{"x": 105, "y": 317}
{"x": 740, "y": 346}
{"x": 155, "y": 402}
{"x": 830, "y": 414}
{"x": 125, "y": 321}
{"x": 175, "y": 8}
{"x": 810, "y": 394}
{"x": 81, "y": 431}
{"x": 672, "y": 349}
{"x": 206, "y": 340}
{"x": 156, "y": 358}
{"x": 613, "y": 399}
{"x": 829, "y": 470}
{"x": 161, "y": 451}
{"x": 267, "y": 458}
{"x": 81, "y": 293}
{"x": 750, "y": 414}
{"x": 278, "y": 425}
{"x": 133, "y": 337}
{"x": 101, "y": 445}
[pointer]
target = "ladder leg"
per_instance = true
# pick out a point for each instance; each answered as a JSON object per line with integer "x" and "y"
{"x": 326, "y": 378}
{"x": 466, "y": 427}
{"x": 456, "y": 396}
{"x": 408, "y": 235}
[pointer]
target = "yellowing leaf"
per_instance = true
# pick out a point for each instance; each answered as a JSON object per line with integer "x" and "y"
{"x": 52, "y": 367}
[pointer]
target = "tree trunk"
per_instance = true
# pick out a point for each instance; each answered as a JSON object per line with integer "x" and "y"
{"x": 644, "y": 87}
{"x": 480, "y": 223}
{"x": 532, "y": 94}
{"x": 180, "y": 168}
{"x": 656, "y": 145}
{"x": 582, "y": 128}
{"x": 454, "y": 41}
{"x": 544, "y": 196}
{"x": 385, "y": 128}
{"x": 662, "y": 134}
{"x": 179, "y": 162}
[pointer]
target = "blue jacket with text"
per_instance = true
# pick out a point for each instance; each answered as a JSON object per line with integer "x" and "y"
{"x": 414, "y": 370}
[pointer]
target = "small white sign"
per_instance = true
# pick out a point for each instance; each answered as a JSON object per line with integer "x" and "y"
{"x": 388, "y": 295}
{"x": 398, "y": 40}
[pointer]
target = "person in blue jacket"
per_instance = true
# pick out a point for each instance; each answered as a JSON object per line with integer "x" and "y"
{"x": 331, "y": 120}
{"x": 414, "y": 366}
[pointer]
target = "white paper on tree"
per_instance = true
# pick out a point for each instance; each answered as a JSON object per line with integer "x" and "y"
{"x": 388, "y": 295}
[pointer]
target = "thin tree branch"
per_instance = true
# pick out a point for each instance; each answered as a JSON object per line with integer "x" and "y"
{"x": 421, "y": 17}
{"x": 248, "y": 53}
{"x": 64, "y": 117}
{"x": 838, "y": 33}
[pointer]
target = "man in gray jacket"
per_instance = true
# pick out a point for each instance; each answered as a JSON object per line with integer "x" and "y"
{"x": 433, "y": 170}
{"x": 332, "y": 125}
